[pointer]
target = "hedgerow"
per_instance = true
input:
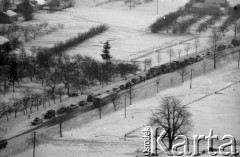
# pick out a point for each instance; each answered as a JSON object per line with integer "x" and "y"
{"x": 165, "y": 22}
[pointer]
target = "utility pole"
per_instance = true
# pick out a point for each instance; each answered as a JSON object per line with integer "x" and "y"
{"x": 125, "y": 105}
{"x": 100, "y": 110}
{"x": 34, "y": 142}
{"x": 157, "y": 85}
{"x": 60, "y": 126}
{"x": 130, "y": 94}
{"x": 191, "y": 80}
{"x": 157, "y": 6}
{"x": 238, "y": 58}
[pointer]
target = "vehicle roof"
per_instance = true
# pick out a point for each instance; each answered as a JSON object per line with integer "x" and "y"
{"x": 104, "y": 95}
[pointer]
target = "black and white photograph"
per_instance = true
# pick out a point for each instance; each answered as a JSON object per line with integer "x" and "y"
{"x": 119, "y": 78}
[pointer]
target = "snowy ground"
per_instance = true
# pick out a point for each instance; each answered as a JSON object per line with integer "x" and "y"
{"x": 105, "y": 137}
{"x": 129, "y": 28}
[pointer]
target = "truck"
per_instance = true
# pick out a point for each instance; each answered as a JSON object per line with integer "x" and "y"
{"x": 235, "y": 42}
{"x": 103, "y": 99}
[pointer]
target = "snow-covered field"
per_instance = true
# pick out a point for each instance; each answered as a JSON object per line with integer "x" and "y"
{"x": 105, "y": 137}
{"x": 128, "y": 34}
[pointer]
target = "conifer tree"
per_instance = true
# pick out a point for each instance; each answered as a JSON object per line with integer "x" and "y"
{"x": 105, "y": 52}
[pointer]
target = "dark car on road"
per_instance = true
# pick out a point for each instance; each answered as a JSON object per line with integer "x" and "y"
{"x": 90, "y": 98}
{"x": 221, "y": 47}
{"x": 62, "y": 110}
{"x": 116, "y": 90}
{"x": 72, "y": 107}
{"x": 82, "y": 103}
{"x": 192, "y": 60}
{"x": 198, "y": 58}
{"x": 73, "y": 94}
{"x": 128, "y": 84}
{"x": 50, "y": 114}
{"x": 36, "y": 121}
{"x": 3, "y": 143}
{"x": 122, "y": 86}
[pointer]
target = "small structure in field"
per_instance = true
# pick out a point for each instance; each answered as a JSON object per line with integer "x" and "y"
{"x": 208, "y": 6}
{"x": 4, "y": 44}
{"x": 8, "y": 17}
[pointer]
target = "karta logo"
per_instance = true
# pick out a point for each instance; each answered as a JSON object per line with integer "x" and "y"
{"x": 158, "y": 141}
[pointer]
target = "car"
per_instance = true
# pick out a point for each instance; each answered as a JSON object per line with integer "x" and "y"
{"x": 90, "y": 98}
{"x": 62, "y": 110}
{"x": 3, "y": 143}
{"x": 198, "y": 58}
{"x": 122, "y": 86}
{"x": 235, "y": 42}
{"x": 50, "y": 114}
{"x": 187, "y": 61}
{"x": 36, "y": 121}
{"x": 203, "y": 55}
{"x": 128, "y": 84}
{"x": 116, "y": 90}
{"x": 192, "y": 60}
{"x": 82, "y": 103}
{"x": 221, "y": 47}
{"x": 73, "y": 95}
{"x": 208, "y": 53}
{"x": 149, "y": 76}
{"x": 72, "y": 107}
{"x": 230, "y": 46}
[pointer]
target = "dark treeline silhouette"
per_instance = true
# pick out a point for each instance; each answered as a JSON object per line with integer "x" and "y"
{"x": 234, "y": 15}
{"x": 64, "y": 46}
{"x": 165, "y": 22}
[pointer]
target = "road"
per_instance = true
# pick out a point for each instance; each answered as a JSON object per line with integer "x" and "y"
{"x": 140, "y": 91}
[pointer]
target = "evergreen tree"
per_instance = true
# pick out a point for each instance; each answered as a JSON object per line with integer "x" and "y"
{"x": 106, "y": 53}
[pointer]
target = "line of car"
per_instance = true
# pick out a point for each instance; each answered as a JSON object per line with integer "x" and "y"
{"x": 62, "y": 110}
{"x": 103, "y": 99}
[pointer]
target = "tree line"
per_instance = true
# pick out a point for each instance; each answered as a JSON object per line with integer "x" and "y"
{"x": 58, "y": 74}
{"x": 234, "y": 15}
{"x": 165, "y": 22}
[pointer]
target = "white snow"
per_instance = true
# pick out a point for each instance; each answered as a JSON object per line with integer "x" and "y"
{"x": 105, "y": 137}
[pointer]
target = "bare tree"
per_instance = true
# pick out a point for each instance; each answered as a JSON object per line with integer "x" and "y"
{"x": 179, "y": 51}
{"x": 215, "y": 40}
{"x": 115, "y": 98}
{"x": 60, "y": 91}
{"x": 131, "y": 94}
{"x": 183, "y": 71}
{"x": 196, "y": 44}
{"x": 60, "y": 121}
{"x": 147, "y": 63}
{"x": 173, "y": 117}
{"x": 187, "y": 47}
{"x": 171, "y": 53}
